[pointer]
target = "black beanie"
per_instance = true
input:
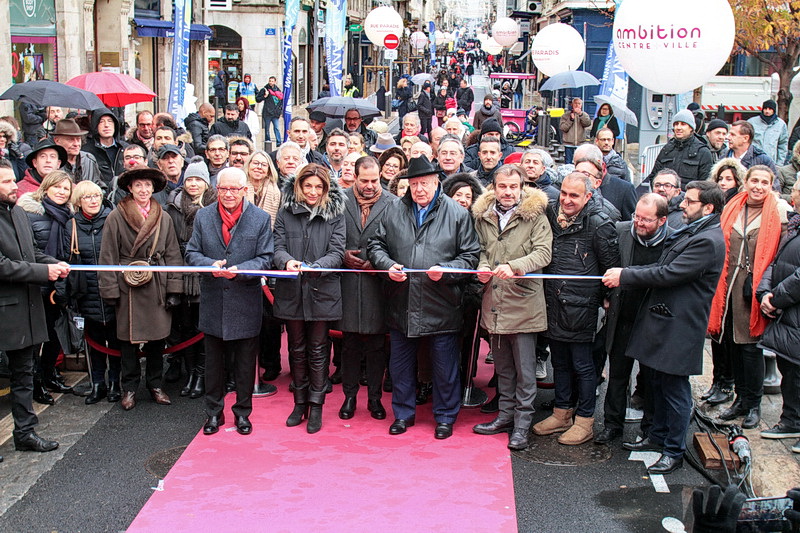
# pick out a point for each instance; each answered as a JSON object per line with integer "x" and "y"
{"x": 716, "y": 124}
{"x": 770, "y": 104}
{"x": 491, "y": 125}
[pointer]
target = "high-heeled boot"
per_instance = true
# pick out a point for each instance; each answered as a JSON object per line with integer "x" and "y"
{"x": 199, "y": 389}
{"x": 314, "y": 418}
{"x": 191, "y": 380}
{"x": 299, "y": 413}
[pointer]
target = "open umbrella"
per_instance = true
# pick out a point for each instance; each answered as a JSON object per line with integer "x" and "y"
{"x": 337, "y": 106}
{"x": 419, "y": 79}
{"x": 571, "y": 79}
{"x": 115, "y": 90}
{"x": 46, "y": 93}
{"x": 619, "y": 108}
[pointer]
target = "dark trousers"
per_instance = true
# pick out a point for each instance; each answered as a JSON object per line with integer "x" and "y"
{"x": 723, "y": 367}
{"x": 243, "y": 353}
{"x": 446, "y": 385}
{"x": 308, "y": 359}
{"x": 574, "y": 359}
{"x": 515, "y": 365}
{"x": 20, "y": 363}
{"x": 52, "y": 347}
{"x": 269, "y": 356}
{"x": 790, "y": 389}
{"x": 104, "y": 335}
{"x": 426, "y": 125}
{"x": 620, "y": 367}
{"x": 132, "y": 370}
{"x": 369, "y": 349}
{"x": 672, "y": 411}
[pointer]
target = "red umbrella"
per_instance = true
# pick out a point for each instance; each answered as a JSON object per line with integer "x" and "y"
{"x": 115, "y": 90}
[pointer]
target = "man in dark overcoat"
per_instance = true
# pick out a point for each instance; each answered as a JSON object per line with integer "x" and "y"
{"x": 231, "y": 234}
{"x": 363, "y": 306}
{"x": 680, "y": 288}
{"x": 23, "y": 271}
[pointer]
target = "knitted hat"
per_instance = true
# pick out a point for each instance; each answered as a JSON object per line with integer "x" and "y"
{"x": 685, "y": 116}
{"x": 491, "y": 125}
{"x": 716, "y": 124}
{"x": 770, "y": 104}
{"x": 197, "y": 168}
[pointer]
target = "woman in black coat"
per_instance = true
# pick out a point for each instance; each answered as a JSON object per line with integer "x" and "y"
{"x": 605, "y": 119}
{"x": 49, "y": 211}
{"x": 82, "y": 240}
{"x": 425, "y": 109}
{"x": 309, "y": 230}
{"x": 403, "y": 94}
{"x": 779, "y": 294}
{"x": 440, "y": 105}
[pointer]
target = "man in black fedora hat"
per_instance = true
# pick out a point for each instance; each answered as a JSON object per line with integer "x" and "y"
{"x": 45, "y": 157}
{"x": 80, "y": 165}
{"x": 425, "y": 230}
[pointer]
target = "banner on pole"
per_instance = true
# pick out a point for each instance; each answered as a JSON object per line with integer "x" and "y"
{"x": 292, "y": 11}
{"x": 432, "y": 37}
{"x": 335, "y": 35}
{"x": 615, "y": 81}
{"x": 180, "y": 59}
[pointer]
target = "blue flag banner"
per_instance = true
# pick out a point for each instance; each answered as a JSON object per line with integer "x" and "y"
{"x": 432, "y": 37}
{"x": 615, "y": 82}
{"x": 180, "y": 59}
{"x": 335, "y": 36}
{"x": 292, "y": 11}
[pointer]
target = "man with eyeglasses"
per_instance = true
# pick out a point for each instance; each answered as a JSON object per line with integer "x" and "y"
{"x": 621, "y": 193}
{"x": 678, "y": 291}
{"x": 227, "y": 300}
{"x": 667, "y": 184}
{"x": 217, "y": 150}
{"x": 425, "y": 229}
{"x": 144, "y": 131}
{"x": 353, "y": 123}
{"x": 239, "y": 151}
{"x": 641, "y": 242}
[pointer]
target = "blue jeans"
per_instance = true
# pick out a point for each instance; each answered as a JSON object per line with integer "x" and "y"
{"x": 445, "y": 357}
{"x": 276, "y": 126}
{"x": 573, "y": 371}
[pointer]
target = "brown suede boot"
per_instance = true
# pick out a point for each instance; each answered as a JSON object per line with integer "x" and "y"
{"x": 559, "y": 421}
{"x": 580, "y": 432}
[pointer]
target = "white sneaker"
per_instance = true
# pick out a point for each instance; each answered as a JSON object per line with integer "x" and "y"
{"x": 541, "y": 369}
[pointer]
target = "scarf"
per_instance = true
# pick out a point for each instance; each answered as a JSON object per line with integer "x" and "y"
{"x": 655, "y": 240}
{"x": 144, "y": 227}
{"x": 189, "y": 209}
{"x": 366, "y": 204}
{"x": 602, "y": 121}
{"x": 563, "y": 220}
{"x": 229, "y": 220}
{"x": 769, "y": 236}
{"x": 60, "y": 215}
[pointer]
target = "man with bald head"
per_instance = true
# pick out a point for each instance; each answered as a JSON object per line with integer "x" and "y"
{"x": 619, "y": 192}
{"x": 435, "y": 137}
{"x": 199, "y": 124}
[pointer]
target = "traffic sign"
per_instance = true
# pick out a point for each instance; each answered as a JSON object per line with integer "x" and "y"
{"x": 390, "y": 54}
{"x": 391, "y": 41}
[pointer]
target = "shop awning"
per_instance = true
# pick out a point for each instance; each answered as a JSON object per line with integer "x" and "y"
{"x": 165, "y": 28}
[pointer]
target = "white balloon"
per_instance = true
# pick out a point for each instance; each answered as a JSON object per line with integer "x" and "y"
{"x": 505, "y": 31}
{"x": 418, "y": 39}
{"x": 381, "y": 22}
{"x": 558, "y": 48}
{"x": 492, "y": 47}
{"x": 673, "y": 47}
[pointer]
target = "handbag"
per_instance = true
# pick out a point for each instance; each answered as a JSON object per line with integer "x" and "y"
{"x": 69, "y": 330}
{"x": 139, "y": 278}
{"x": 396, "y": 103}
{"x": 411, "y": 105}
{"x": 747, "y": 289}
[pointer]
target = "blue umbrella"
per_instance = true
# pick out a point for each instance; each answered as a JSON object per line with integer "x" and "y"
{"x": 571, "y": 79}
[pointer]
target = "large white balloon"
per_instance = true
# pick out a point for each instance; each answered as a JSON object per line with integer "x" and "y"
{"x": 381, "y": 22}
{"x": 418, "y": 39}
{"x": 505, "y": 31}
{"x": 673, "y": 47}
{"x": 492, "y": 47}
{"x": 558, "y": 48}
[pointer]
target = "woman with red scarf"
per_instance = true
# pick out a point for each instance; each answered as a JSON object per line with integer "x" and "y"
{"x": 752, "y": 226}
{"x": 309, "y": 231}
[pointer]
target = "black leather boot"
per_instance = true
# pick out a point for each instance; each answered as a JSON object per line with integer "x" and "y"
{"x": 299, "y": 413}
{"x": 199, "y": 389}
{"x": 40, "y": 394}
{"x": 53, "y": 384}
{"x": 99, "y": 391}
{"x": 190, "y": 383}
{"x": 114, "y": 392}
{"x": 314, "y": 418}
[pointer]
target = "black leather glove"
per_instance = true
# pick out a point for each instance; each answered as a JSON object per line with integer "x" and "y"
{"x": 716, "y": 512}
{"x": 173, "y": 300}
{"x": 793, "y": 515}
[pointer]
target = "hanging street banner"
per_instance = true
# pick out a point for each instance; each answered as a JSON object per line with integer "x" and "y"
{"x": 180, "y": 59}
{"x": 335, "y": 36}
{"x": 432, "y": 33}
{"x": 292, "y": 11}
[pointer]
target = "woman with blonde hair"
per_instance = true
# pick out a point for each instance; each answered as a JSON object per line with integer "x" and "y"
{"x": 309, "y": 230}
{"x": 49, "y": 212}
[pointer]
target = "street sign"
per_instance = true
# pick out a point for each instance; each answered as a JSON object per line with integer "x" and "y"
{"x": 390, "y": 54}
{"x": 355, "y": 28}
{"x": 391, "y": 41}
{"x": 269, "y": 31}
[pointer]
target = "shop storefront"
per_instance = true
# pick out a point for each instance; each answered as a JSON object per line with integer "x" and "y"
{"x": 33, "y": 40}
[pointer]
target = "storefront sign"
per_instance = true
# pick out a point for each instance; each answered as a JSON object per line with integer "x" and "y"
{"x": 32, "y": 17}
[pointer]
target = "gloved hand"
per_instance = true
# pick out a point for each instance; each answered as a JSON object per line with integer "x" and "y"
{"x": 793, "y": 515}
{"x": 716, "y": 512}
{"x": 352, "y": 261}
{"x": 173, "y": 300}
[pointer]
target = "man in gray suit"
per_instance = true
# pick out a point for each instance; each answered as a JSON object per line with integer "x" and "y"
{"x": 231, "y": 234}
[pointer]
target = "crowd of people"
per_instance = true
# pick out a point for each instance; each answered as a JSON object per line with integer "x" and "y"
{"x": 371, "y": 227}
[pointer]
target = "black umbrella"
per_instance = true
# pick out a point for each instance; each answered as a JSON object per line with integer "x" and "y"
{"x": 46, "y": 93}
{"x": 337, "y": 106}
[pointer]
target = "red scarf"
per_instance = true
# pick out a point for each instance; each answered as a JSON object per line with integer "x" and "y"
{"x": 229, "y": 220}
{"x": 769, "y": 236}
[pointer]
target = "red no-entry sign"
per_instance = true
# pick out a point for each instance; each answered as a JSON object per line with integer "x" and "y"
{"x": 391, "y": 41}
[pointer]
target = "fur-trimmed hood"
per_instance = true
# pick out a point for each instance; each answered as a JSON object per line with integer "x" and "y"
{"x": 533, "y": 203}
{"x": 9, "y": 130}
{"x": 30, "y": 204}
{"x": 334, "y": 207}
{"x": 729, "y": 162}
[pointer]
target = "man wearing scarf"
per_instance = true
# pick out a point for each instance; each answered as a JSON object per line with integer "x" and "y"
{"x": 679, "y": 289}
{"x": 230, "y": 234}
{"x": 363, "y": 311}
{"x": 771, "y": 133}
{"x": 641, "y": 242}
{"x": 516, "y": 239}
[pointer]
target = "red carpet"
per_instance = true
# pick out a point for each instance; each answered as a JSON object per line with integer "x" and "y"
{"x": 351, "y": 476}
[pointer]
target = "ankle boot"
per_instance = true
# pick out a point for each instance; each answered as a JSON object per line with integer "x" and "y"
{"x": 40, "y": 394}
{"x": 199, "y": 389}
{"x": 299, "y": 413}
{"x": 98, "y": 392}
{"x": 191, "y": 382}
{"x": 581, "y": 431}
{"x": 559, "y": 421}
{"x": 114, "y": 392}
{"x": 314, "y": 418}
{"x": 53, "y": 384}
